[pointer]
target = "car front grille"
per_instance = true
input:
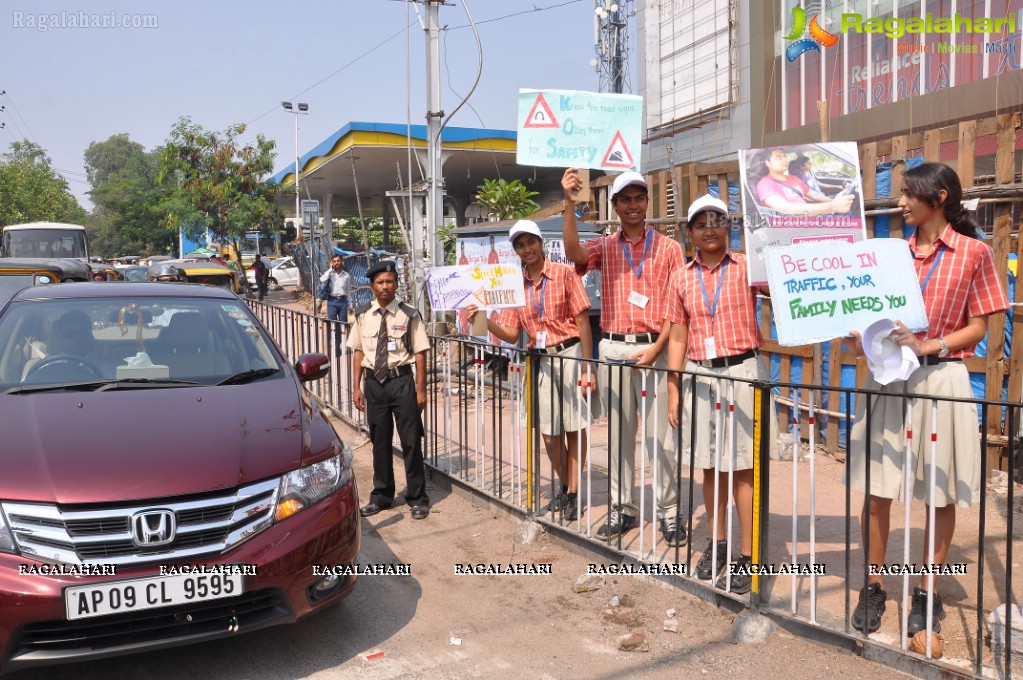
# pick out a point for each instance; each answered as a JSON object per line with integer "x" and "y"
{"x": 50, "y": 641}
{"x": 208, "y": 524}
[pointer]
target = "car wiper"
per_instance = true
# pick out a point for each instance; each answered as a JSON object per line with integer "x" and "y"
{"x": 248, "y": 376}
{"x": 133, "y": 383}
{"x": 54, "y": 387}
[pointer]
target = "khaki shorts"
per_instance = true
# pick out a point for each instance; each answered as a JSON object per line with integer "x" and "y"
{"x": 957, "y": 456}
{"x": 707, "y": 385}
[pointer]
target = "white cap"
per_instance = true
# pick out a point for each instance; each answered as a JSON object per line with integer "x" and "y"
{"x": 524, "y": 227}
{"x": 886, "y": 360}
{"x": 627, "y": 179}
{"x": 707, "y": 202}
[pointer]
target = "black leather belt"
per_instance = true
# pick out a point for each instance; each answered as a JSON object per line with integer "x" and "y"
{"x": 391, "y": 372}
{"x": 722, "y": 362}
{"x": 554, "y": 349}
{"x": 632, "y": 337}
{"x": 338, "y": 297}
{"x": 931, "y": 360}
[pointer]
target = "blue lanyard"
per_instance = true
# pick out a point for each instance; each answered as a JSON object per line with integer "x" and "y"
{"x": 628, "y": 255}
{"x": 699, "y": 274}
{"x": 934, "y": 265}
{"x": 532, "y": 295}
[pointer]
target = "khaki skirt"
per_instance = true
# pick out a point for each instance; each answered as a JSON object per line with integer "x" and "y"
{"x": 957, "y": 450}
{"x": 558, "y": 408}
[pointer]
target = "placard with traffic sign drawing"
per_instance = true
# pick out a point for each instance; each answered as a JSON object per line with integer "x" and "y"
{"x": 490, "y": 286}
{"x": 822, "y": 291}
{"x": 569, "y": 128}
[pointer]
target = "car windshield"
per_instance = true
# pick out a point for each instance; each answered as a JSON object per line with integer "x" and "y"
{"x": 143, "y": 339}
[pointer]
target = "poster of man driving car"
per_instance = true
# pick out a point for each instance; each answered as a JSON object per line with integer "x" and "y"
{"x": 803, "y": 193}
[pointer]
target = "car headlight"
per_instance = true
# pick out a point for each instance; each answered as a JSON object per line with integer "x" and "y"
{"x": 313, "y": 483}
{"x": 6, "y": 537}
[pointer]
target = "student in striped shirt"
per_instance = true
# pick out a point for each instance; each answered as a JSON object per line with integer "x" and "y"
{"x": 715, "y": 334}
{"x": 636, "y": 262}
{"x": 557, "y": 324}
{"x": 961, "y": 288}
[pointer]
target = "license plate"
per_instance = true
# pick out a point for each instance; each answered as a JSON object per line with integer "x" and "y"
{"x": 101, "y": 599}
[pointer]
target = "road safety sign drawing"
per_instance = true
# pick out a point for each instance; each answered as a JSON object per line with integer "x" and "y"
{"x": 618, "y": 155}
{"x": 541, "y": 116}
{"x": 566, "y": 128}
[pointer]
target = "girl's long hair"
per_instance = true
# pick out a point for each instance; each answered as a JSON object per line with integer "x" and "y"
{"x": 926, "y": 180}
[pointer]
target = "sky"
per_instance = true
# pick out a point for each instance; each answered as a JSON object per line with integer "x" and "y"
{"x": 223, "y": 62}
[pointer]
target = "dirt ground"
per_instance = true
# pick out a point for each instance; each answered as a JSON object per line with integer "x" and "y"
{"x": 488, "y": 626}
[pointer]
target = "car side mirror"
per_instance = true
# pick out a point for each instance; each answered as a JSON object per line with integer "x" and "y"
{"x": 312, "y": 366}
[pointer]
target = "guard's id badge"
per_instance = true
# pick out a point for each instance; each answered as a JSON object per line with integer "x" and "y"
{"x": 709, "y": 348}
{"x": 638, "y": 299}
{"x": 541, "y": 340}
{"x": 392, "y": 346}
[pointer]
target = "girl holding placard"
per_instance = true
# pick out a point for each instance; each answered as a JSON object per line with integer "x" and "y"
{"x": 961, "y": 288}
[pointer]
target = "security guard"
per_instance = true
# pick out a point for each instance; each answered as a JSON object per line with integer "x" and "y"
{"x": 387, "y": 338}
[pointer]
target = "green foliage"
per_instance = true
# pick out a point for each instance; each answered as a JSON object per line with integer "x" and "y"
{"x": 348, "y": 232}
{"x": 128, "y": 218}
{"x": 32, "y": 191}
{"x": 506, "y": 200}
{"x": 445, "y": 233}
{"x": 214, "y": 181}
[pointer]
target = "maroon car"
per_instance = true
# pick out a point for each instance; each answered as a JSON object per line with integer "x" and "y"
{"x": 164, "y": 476}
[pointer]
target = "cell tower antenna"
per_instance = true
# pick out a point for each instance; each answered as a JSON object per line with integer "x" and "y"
{"x": 611, "y": 43}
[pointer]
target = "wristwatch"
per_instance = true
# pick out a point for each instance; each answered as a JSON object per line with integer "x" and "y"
{"x": 943, "y": 352}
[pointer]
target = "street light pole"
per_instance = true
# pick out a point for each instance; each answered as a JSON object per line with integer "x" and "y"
{"x": 303, "y": 108}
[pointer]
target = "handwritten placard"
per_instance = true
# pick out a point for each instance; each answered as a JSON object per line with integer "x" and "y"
{"x": 567, "y": 128}
{"x": 490, "y": 286}
{"x": 822, "y": 291}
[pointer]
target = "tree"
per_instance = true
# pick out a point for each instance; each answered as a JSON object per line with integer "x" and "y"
{"x": 128, "y": 217}
{"x": 32, "y": 191}
{"x": 506, "y": 200}
{"x": 214, "y": 182}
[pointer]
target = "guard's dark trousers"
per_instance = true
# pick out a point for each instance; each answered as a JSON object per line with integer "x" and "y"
{"x": 387, "y": 403}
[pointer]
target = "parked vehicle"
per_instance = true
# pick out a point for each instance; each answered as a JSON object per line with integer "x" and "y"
{"x": 233, "y": 486}
{"x": 283, "y": 272}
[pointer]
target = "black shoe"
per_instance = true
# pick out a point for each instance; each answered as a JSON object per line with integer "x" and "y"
{"x": 371, "y": 509}
{"x": 674, "y": 534}
{"x": 420, "y": 511}
{"x": 703, "y": 568}
{"x": 741, "y": 576}
{"x": 570, "y": 510}
{"x": 617, "y": 524}
{"x": 918, "y": 613}
{"x": 558, "y": 502}
{"x": 867, "y": 615}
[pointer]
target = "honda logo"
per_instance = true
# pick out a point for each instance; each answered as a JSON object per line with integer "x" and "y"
{"x": 152, "y": 528}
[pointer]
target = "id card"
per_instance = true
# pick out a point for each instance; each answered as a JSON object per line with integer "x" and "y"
{"x": 541, "y": 340}
{"x": 638, "y": 299}
{"x": 392, "y": 346}
{"x": 709, "y": 348}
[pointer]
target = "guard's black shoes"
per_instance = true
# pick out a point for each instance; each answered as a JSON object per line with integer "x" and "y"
{"x": 371, "y": 509}
{"x": 420, "y": 511}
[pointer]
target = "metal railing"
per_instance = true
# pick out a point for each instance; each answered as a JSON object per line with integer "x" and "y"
{"x": 806, "y": 539}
